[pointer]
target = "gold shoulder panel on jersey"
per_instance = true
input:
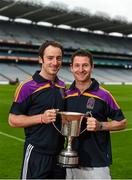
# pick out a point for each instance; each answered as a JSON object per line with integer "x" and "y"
{"x": 42, "y": 87}
{"x": 91, "y": 95}
{"x": 20, "y": 87}
{"x": 110, "y": 95}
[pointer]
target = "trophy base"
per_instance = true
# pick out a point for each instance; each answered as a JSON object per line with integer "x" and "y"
{"x": 69, "y": 160}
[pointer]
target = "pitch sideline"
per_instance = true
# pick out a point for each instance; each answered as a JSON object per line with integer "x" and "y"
{"x": 10, "y": 136}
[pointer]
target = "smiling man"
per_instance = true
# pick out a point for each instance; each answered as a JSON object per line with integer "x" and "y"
{"x": 33, "y": 109}
{"x": 85, "y": 95}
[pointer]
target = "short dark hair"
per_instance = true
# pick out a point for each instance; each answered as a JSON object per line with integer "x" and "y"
{"x": 83, "y": 53}
{"x": 49, "y": 43}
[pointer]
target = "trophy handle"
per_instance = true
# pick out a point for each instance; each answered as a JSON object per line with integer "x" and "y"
{"x": 83, "y": 131}
{"x": 56, "y": 128}
{"x": 88, "y": 114}
{"x": 57, "y": 110}
{"x": 80, "y": 123}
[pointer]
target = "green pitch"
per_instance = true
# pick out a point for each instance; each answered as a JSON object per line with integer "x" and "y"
{"x": 11, "y": 139}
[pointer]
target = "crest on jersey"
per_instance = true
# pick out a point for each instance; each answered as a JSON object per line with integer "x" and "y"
{"x": 90, "y": 103}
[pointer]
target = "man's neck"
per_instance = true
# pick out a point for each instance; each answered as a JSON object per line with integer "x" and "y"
{"x": 82, "y": 86}
{"x": 48, "y": 77}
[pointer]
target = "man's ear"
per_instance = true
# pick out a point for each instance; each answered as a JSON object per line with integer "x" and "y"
{"x": 40, "y": 60}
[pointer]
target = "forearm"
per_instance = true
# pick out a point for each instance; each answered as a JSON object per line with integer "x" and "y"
{"x": 114, "y": 125}
{"x": 23, "y": 120}
{"x": 47, "y": 117}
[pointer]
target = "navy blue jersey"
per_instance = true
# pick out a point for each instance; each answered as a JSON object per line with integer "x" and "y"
{"x": 33, "y": 97}
{"x": 94, "y": 148}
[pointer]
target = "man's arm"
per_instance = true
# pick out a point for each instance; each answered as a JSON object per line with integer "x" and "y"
{"x": 114, "y": 125}
{"x": 95, "y": 125}
{"x": 25, "y": 121}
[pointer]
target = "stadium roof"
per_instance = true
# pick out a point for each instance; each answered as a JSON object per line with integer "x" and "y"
{"x": 58, "y": 14}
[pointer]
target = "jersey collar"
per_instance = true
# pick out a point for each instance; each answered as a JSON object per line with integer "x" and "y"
{"x": 39, "y": 79}
{"x": 93, "y": 87}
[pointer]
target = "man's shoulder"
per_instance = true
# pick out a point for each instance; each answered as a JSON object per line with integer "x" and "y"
{"x": 60, "y": 83}
{"x": 23, "y": 90}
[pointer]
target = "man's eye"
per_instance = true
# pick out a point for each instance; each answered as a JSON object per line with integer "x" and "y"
{"x": 76, "y": 65}
{"x": 85, "y": 65}
{"x": 50, "y": 58}
{"x": 59, "y": 58}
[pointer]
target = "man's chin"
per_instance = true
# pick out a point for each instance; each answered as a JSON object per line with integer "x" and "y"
{"x": 54, "y": 72}
{"x": 81, "y": 80}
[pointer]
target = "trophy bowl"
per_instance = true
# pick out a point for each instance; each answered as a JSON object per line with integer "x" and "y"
{"x": 70, "y": 128}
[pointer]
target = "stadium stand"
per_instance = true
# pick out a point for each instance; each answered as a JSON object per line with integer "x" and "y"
{"x": 19, "y": 42}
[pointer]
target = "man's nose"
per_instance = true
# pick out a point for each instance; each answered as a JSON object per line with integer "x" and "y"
{"x": 55, "y": 61}
{"x": 81, "y": 68}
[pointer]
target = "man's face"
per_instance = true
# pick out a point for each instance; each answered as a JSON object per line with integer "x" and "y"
{"x": 52, "y": 60}
{"x": 81, "y": 68}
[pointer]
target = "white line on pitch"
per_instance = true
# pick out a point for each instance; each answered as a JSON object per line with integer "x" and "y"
{"x": 22, "y": 140}
{"x": 10, "y": 136}
{"x": 124, "y": 130}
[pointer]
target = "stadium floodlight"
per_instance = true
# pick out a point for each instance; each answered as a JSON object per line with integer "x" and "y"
{"x": 22, "y": 20}
{"x": 98, "y": 32}
{"x": 82, "y": 29}
{"x": 115, "y": 34}
{"x": 42, "y": 23}
{"x": 4, "y": 18}
{"x": 62, "y": 26}
{"x": 129, "y": 35}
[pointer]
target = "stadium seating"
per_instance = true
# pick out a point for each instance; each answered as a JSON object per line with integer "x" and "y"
{"x": 70, "y": 39}
{"x": 9, "y": 72}
{"x": 20, "y": 42}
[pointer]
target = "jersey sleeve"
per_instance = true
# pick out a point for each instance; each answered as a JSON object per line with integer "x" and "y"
{"x": 21, "y": 100}
{"x": 113, "y": 109}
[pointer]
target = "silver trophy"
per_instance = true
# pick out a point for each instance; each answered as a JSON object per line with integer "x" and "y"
{"x": 70, "y": 128}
